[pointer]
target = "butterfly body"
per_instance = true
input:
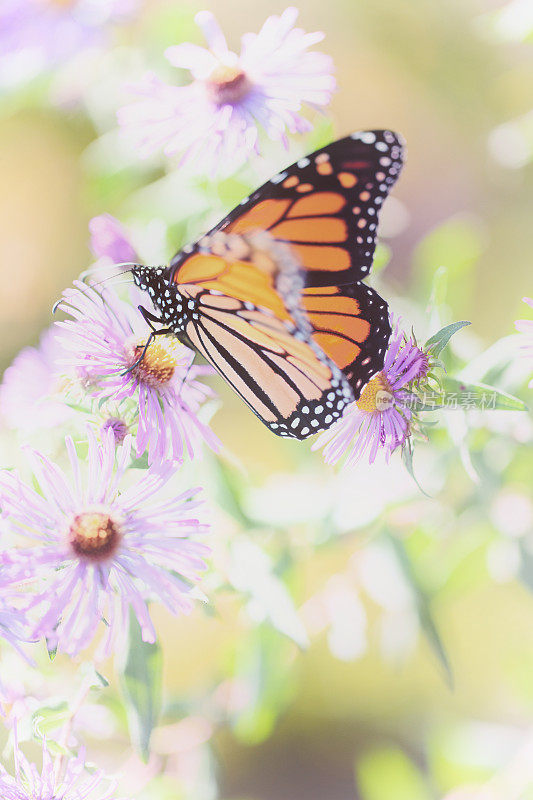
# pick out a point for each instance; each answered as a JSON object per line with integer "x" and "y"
{"x": 273, "y": 297}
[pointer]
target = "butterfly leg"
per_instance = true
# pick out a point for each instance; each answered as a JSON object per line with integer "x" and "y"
{"x": 153, "y": 334}
{"x": 148, "y": 317}
{"x": 184, "y": 379}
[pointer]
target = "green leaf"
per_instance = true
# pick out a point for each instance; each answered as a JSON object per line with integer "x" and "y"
{"x": 231, "y": 191}
{"x": 264, "y": 665}
{"x": 92, "y": 678}
{"x": 322, "y": 134}
{"x": 141, "y": 686}
{"x": 439, "y": 288}
{"x": 432, "y": 635}
{"x": 457, "y": 245}
{"x": 228, "y": 489}
{"x": 140, "y": 463}
{"x": 526, "y": 568}
{"x": 481, "y": 396}
{"x": 407, "y": 457}
{"x": 51, "y": 649}
{"x": 48, "y": 718}
{"x": 103, "y": 680}
{"x": 439, "y": 340}
{"x": 388, "y": 774}
{"x": 423, "y": 608}
{"x": 457, "y": 395}
{"x": 382, "y": 256}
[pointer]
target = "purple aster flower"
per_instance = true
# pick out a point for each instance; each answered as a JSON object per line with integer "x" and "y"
{"x": 106, "y": 337}
{"x": 381, "y": 418}
{"x": 214, "y": 120}
{"x": 30, "y": 392}
{"x": 118, "y": 425}
{"x": 110, "y": 240}
{"x": 97, "y": 551}
{"x": 35, "y": 34}
{"x": 525, "y": 327}
{"x": 71, "y": 782}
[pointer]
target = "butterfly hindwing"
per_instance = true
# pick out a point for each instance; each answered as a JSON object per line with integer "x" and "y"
{"x": 263, "y": 349}
{"x": 351, "y": 325}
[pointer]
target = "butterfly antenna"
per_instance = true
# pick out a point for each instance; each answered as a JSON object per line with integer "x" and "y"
{"x": 90, "y": 270}
{"x": 86, "y": 274}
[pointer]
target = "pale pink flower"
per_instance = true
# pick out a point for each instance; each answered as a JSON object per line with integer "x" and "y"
{"x": 104, "y": 338}
{"x": 96, "y": 548}
{"x": 215, "y": 120}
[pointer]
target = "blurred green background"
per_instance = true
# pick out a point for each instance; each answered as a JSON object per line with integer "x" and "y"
{"x": 382, "y": 721}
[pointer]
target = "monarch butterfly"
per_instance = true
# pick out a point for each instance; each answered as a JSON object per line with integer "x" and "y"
{"x": 273, "y": 295}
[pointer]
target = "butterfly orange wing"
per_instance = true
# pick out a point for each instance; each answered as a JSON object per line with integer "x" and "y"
{"x": 326, "y": 206}
{"x": 249, "y": 324}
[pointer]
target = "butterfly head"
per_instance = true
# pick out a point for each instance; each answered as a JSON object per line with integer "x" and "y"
{"x": 153, "y": 280}
{"x": 163, "y": 293}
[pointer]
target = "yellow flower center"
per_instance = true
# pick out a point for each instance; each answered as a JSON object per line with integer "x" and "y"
{"x": 94, "y": 536}
{"x": 227, "y": 84}
{"x": 159, "y": 362}
{"x": 377, "y": 395}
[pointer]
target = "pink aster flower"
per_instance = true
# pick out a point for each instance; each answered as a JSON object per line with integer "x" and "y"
{"x": 215, "y": 119}
{"x": 35, "y": 34}
{"x": 110, "y": 240}
{"x": 381, "y": 418}
{"x": 525, "y": 327}
{"x": 71, "y": 782}
{"x": 104, "y": 339}
{"x": 97, "y": 551}
{"x": 30, "y": 392}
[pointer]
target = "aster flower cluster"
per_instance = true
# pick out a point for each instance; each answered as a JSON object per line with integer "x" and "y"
{"x": 95, "y": 540}
{"x": 48, "y": 783}
{"x": 103, "y": 341}
{"x": 31, "y": 390}
{"x": 87, "y": 361}
{"x": 101, "y": 541}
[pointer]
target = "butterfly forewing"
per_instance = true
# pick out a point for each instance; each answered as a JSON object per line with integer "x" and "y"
{"x": 327, "y": 206}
